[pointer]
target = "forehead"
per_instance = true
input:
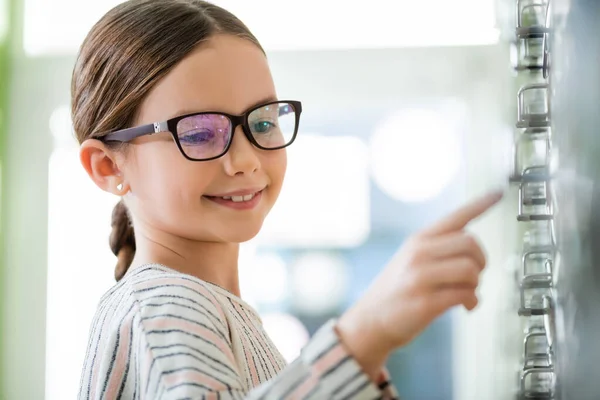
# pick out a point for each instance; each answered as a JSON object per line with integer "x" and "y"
{"x": 226, "y": 74}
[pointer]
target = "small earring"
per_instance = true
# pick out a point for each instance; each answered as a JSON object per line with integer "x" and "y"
{"x": 120, "y": 187}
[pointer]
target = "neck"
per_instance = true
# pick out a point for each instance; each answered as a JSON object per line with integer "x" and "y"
{"x": 214, "y": 262}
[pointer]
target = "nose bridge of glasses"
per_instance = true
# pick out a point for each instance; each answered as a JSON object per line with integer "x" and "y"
{"x": 241, "y": 121}
{"x": 238, "y": 121}
{"x": 245, "y": 137}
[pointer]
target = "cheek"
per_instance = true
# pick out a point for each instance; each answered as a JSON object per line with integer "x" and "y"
{"x": 276, "y": 166}
{"x": 165, "y": 180}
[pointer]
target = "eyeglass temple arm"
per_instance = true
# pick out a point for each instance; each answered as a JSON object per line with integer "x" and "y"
{"x": 126, "y": 135}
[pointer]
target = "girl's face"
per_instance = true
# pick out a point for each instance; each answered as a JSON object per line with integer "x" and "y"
{"x": 167, "y": 192}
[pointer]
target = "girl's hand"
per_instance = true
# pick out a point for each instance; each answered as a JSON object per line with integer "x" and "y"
{"x": 434, "y": 270}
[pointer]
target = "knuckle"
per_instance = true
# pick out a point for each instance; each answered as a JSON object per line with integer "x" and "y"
{"x": 417, "y": 279}
{"x": 472, "y": 243}
{"x": 409, "y": 251}
{"x": 417, "y": 250}
{"x": 475, "y": 248}
{"x": 413, "y": 242}
{"x": 471, "y": 265}
{"x": 471, "y": 270}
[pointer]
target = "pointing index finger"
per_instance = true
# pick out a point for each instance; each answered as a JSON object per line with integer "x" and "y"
{"x": 461, "y": 217}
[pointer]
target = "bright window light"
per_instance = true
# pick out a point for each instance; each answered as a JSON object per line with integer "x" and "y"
{"x": 58, "y": 27}
{"x": 320, "y": 283}
{"x": 79, "y": 262}
{"x": 263, "y": 277}
{"x": 50, "y": 28}
{"x": 353, "y": 24}
{"x": 287, "y": 332}
{"x": 61, "y": 128}
{"x": 325, "y": 201}
{"x": 3, "y": 20}
{"x": 415, "y": 154}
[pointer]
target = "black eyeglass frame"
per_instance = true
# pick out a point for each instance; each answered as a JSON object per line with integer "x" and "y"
{"x": 170, "y": 125}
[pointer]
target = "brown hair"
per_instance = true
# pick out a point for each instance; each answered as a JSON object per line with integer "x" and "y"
{"x": 124, "y": 55}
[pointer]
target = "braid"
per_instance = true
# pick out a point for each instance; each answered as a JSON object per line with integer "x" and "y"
{"x": 122, "y": 239}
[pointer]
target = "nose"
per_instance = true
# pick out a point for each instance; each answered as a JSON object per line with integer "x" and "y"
{"x": 242, "y": 157}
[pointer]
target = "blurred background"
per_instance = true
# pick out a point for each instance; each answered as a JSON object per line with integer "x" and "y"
{"x": 408, "y": 109}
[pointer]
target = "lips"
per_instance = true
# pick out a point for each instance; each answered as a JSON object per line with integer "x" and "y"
{"x": 240, "y": 192}
{"x": 240, "y": 200}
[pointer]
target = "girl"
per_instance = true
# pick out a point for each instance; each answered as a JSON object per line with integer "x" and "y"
{"x": 176, "y": 112}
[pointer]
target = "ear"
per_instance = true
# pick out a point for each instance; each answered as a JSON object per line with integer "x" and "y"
{"x": 100, "y": 163}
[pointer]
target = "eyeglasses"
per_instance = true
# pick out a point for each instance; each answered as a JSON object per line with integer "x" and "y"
{"x": 206, "y": 136}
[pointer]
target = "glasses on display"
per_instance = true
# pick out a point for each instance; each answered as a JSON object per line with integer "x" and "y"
{"x": 530, "y": 51}
{"x": 535, "y": 199}
{"x": 536, "y": 351}
{"x": 539, "y": 234}
{"x": 537, "y": 378}
{"x": 538, "y": 383}
{"x": 537, "y": 265}
{"x": 535, "y": 297}
{"x": 528, "y": 54}
{"x": 533, "y": 108}
{"x": 206, "y": 136}
{"x": 531, "y": 173}
{"x": 532, "y": 16}
{"x": 531, "y": 150}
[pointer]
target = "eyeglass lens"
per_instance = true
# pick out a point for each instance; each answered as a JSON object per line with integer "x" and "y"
{"x": 206, "y": 136}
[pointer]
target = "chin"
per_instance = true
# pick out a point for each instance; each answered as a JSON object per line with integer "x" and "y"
{"x": 239, "y": 232}
{"x": 240, "y": 236}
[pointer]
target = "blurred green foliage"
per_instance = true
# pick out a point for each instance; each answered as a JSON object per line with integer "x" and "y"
{"x": 4, "y": 84}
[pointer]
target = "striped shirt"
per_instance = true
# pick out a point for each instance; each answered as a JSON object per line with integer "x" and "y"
{"x": 161, "y": 334}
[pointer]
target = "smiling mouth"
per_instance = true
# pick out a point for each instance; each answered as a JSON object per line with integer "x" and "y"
{"x": 238, "y": 201}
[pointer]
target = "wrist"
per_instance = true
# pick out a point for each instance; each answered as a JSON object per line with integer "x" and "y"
{"x": 364, "y": 344}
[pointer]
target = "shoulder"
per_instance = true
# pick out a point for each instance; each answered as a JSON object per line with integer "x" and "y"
{"x": 169, "y": 299}
{"x": 161, "y": 321}
{"x": 181, "y": 320}
{"x": 153, "y": 282}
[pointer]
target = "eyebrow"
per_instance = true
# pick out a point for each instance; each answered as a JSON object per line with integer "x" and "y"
{"x": 268, "y": 99}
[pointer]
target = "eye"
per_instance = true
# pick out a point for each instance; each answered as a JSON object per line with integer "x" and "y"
{"x": 262, "y": 126}
{"x": 196, "y": 137}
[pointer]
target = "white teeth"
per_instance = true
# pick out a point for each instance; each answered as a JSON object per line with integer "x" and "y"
{"x": 239, "y": 199}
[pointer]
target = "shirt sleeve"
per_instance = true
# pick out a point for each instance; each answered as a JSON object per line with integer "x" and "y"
{"x": 325, "y": 370}
{"x": 180, "y": 357}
